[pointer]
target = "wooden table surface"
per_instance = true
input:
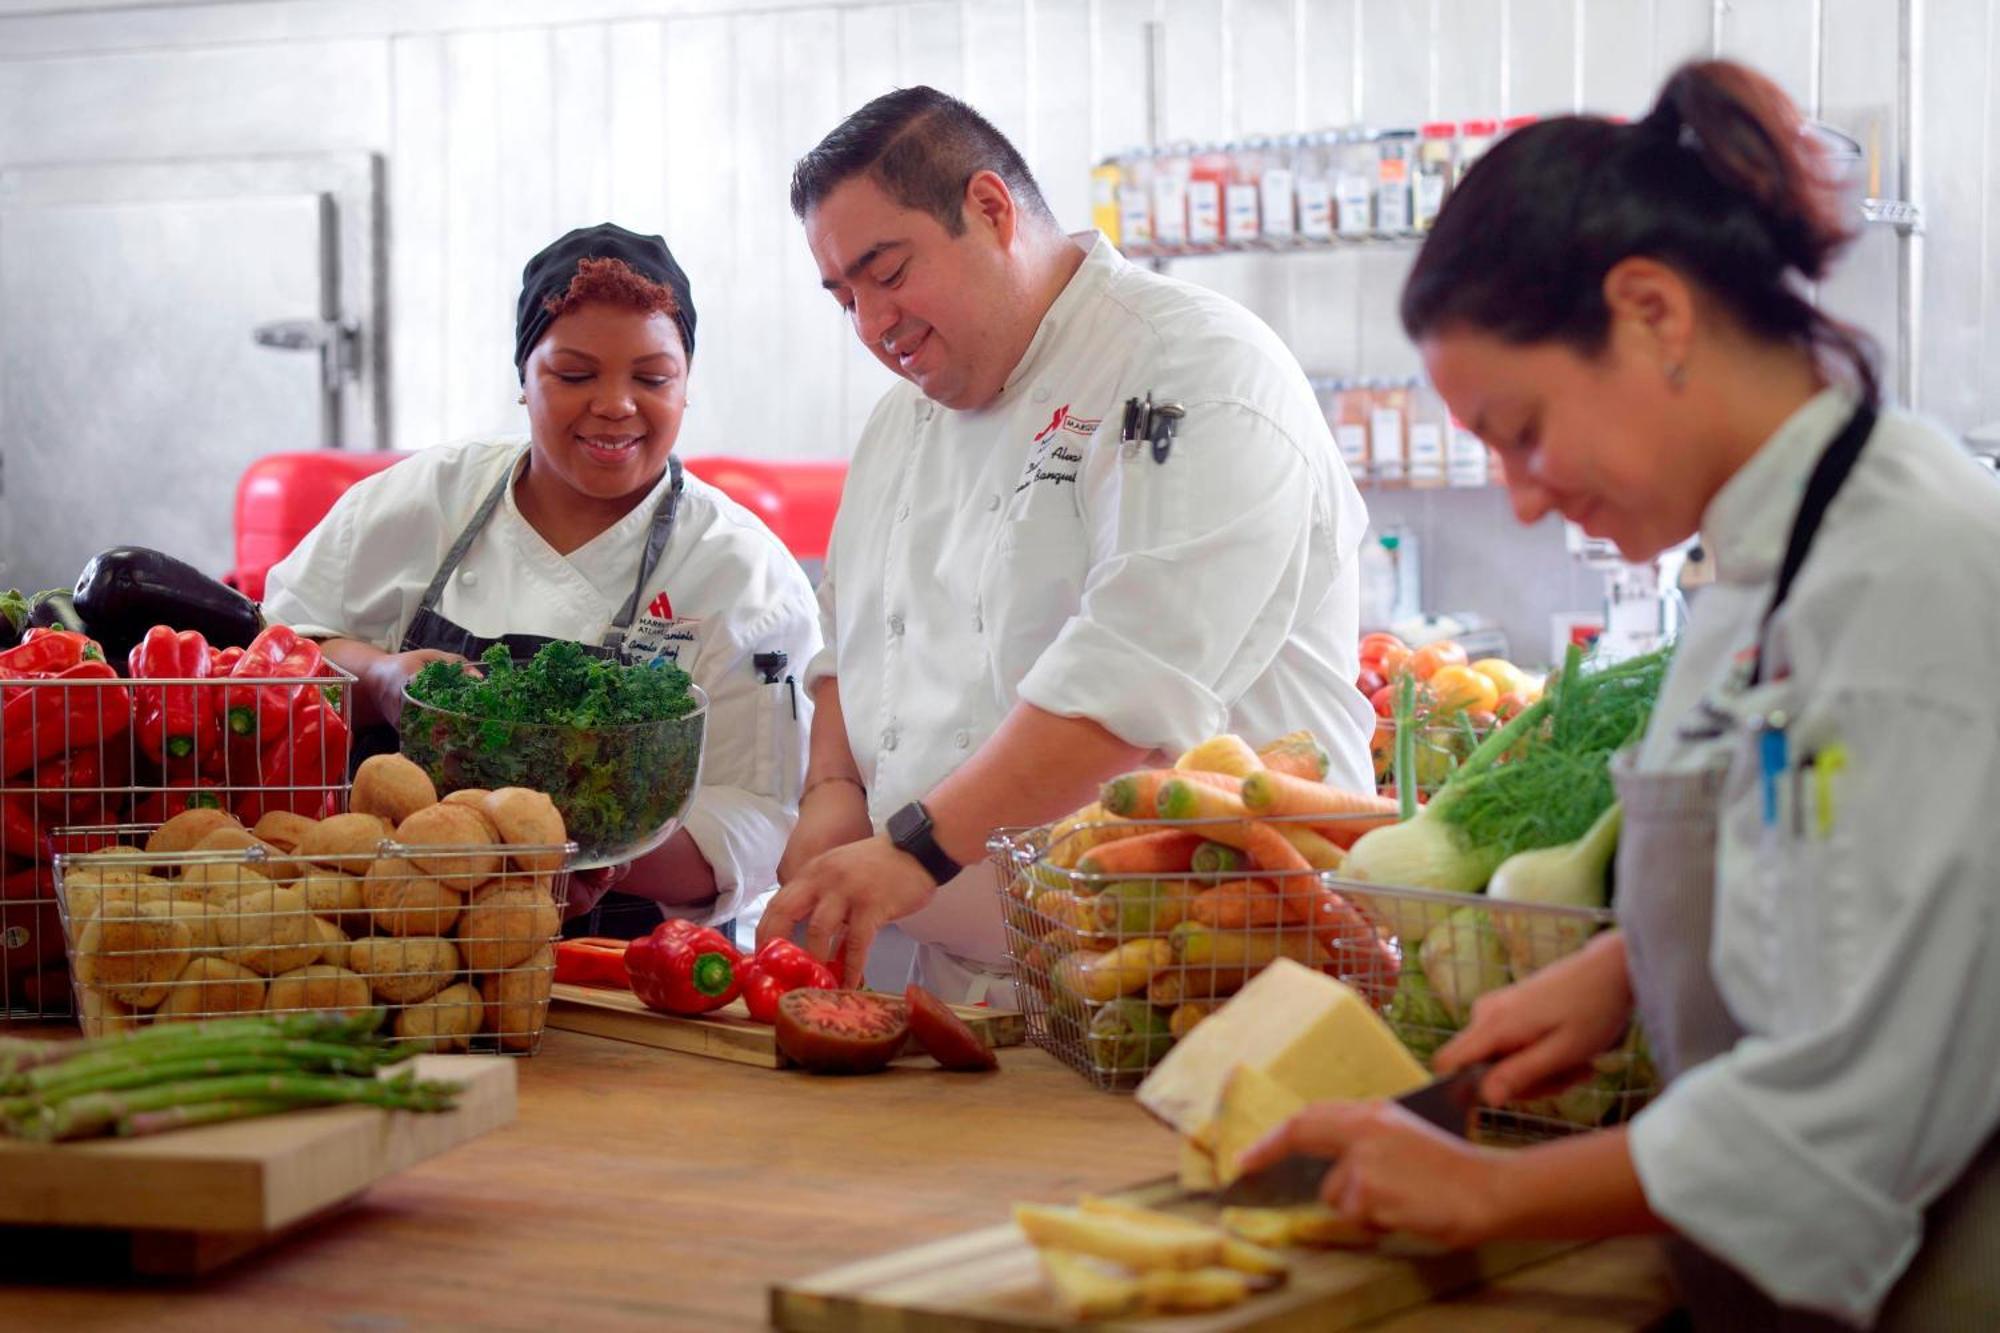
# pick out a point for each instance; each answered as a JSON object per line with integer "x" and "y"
{"x": 647, "y": 1189}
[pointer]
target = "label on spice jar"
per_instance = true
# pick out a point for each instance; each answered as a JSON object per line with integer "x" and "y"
{"x": 1426, "y": 451}
{"x": 1170, "y": 211}
{"x": 1276, "y": 204}
{"x": 1315, "y": 209}
{"x": 1240, "y": 212}
{"x": 1135, "y": 215}
{"x": 1353, "y": 442}
{"x": 1385, "y": 443}
{"x": 1465, "y": 458}
{"x": 1204, "y": 212}
{"x": 1356, "y": 202}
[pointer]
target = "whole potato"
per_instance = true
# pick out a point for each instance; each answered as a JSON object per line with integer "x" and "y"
{"x": 465, "y": 856}
{"x": 211, "y": 987}
{"x": 102, "y": 1014}
{"x": 273, "y": 864}
{"x": 517, "y": 1000}
{"x": 505, "y": 922}
{"x": 268, "y": 931}
{"x": 132, "y": 951}
{"x": 528, "y": 818}
{"x": 283, "y": 829}
{"x": 332, "y": 942}
{"x": 390, "y": 786}
{"x": 187, "y": 828}
{"x": 334, "y": 895}
{"x": 402, "y": 901}
{"x": 342, "y": 842}
{"x": 220, "y": 883}
{"x": 83, "y": 890}
{"x": 317, "y": 986}
{"x": 407, "y": 969}
{"x": 445, "y": 1022}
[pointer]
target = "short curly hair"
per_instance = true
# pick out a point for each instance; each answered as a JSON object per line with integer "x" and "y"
{"x": 612, "y": 282}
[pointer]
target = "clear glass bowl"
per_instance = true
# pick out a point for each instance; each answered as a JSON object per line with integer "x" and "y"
{"x": 622, "y": 790}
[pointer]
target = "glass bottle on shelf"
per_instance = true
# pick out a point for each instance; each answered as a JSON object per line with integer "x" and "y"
{"x": 1135, "y": 199}
{"x": 1105, "y": 179}
{"x": 1393, "y": 152}
{"x": 1474, "y": 138}
{"x": 1429, "y": 431}
{"x": 1241, "y": 198}
{"x": 1170, "y": 197}
{"x": 1208, "y": 174}
{"x": 1354, "y": 183}
{"x": 1277, "y": 190}
{"x": 1465, "y": 460}
{"x": 1433, "y": 172}
{"x": 1351, "y": 402}
{"x": 1387, "y": 420}
{"x": 1313, "y": 169}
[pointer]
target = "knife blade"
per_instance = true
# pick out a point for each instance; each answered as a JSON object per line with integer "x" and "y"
{"x": 1447, "y": 1103}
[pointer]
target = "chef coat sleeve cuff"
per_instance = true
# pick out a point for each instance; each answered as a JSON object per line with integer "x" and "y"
{"x": 1093, "y": 671}
{"x": 741, "y": 835}
{"x": 1711, "y": 1164}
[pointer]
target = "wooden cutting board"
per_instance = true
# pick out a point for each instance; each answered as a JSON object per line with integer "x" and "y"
{"x": 252, "y": 1177}
{"x": 728, "y": 1033}
{"x": 991, "y": 1281}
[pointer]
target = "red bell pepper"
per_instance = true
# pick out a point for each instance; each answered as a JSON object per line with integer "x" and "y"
{"x": 61, "y": 711}
{"x": 275, "y": 654}
{"x": 22, "y": 827}
{"x": 170, "y": 718}
{"x": 235, "y": 755}
{"x": 299, "y": 769}
{"x": 31, "y": 935}
{"x": 46, "y": 651}
{"x": 157, "y": 807}
{"x": 682, "y": 968}
{"x": 590, "y": 960}
{"x": 86, "y": 786}
{"x": 778, "y": 967}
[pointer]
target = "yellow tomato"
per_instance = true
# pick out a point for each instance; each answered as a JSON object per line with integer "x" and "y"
{"x": 1428, "y": 660}
{"x": 1506, "y": 677}
{"x": 1461, "y": 689}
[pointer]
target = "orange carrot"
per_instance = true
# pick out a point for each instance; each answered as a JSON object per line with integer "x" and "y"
{"x": 1136, "y": 795}
{"x": 1272, "y": 793}
{"x": 1168, "y": 852}
{"x": 1319, "y": 853}
{"x": 1270, "y": 850}
{"x": 1182, "y": 796}
{"x": 1238, "y": 905}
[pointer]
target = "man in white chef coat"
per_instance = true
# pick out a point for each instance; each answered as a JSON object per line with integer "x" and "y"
{"x": 1100, "y": 519}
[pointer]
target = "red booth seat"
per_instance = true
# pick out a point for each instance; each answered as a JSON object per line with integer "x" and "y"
{"x": 281, "y": 497}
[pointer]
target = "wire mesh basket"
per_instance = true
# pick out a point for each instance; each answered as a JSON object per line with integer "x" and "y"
{"x": 454, "y": 943}
{"x": 78, "y": 753}
{"x": 1112, "y": 970}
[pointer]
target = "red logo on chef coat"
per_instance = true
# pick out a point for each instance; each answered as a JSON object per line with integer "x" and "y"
{"x": 661, "y": 607}
{"x": 1055, "y": 423}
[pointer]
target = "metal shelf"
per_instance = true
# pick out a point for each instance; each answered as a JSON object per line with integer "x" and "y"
{"x": 1276, "y": 246}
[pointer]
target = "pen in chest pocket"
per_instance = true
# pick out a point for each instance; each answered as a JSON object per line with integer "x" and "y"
{"x": 1773, "y": 757}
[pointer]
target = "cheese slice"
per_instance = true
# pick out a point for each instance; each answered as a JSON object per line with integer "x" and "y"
{"x": 1253, "y": 1104}
{"x": 1313, "y": 1036}
{"x": 1197, "y": 1168}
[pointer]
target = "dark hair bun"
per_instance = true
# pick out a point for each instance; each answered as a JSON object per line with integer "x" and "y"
{"x": 1752, "y": 139}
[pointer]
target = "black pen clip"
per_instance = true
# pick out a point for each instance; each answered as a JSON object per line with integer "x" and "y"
{"x": 770, "y": 666}
{"x": 1147, "y": 422}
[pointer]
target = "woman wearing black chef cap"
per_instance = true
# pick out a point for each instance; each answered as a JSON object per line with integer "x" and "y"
{"x": 590, "y": 532}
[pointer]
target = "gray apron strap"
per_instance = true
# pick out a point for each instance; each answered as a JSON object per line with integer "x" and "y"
{"x": 657, "y": 536}
{"x": 456, "y": 555}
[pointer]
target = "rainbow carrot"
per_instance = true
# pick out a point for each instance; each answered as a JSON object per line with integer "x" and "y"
{"x": 1168, "y": 852}
{"x": 1136, "y": 795}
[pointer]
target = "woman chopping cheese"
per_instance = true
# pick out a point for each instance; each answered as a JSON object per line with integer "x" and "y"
{"x": 1806, "y": 875}
{"x": 590, "y": 532}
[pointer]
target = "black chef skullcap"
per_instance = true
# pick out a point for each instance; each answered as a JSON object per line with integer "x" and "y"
{"x": 548, "y": 276}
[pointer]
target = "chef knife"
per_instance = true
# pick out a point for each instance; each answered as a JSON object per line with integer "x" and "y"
{"x": 1447, "y": 1102}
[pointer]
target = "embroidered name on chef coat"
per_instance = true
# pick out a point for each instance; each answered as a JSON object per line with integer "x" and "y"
{"x": 1058, "y": 450}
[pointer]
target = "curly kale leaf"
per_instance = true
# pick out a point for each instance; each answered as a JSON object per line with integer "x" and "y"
{"x": 562, "y": 685}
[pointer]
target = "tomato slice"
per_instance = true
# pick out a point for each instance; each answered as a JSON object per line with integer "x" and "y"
{"x": 945, "y": 1035}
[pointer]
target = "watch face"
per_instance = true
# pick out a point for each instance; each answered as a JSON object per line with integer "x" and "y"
{"x": 908, "y": 822}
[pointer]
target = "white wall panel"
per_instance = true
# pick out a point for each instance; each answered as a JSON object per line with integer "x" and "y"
{"x": 1396, "y": 62}
{"x": 1467, "y": 59}
{"x": 417, "y": 244}
{"x": 580, "y": 65}
{"x": 1194, "y": 94}
{"x": 1620, "y": 56}
{"x": 1541, "y": 56}
{"x": 999, "y": 77}
{"x": 1329, "y": 62}
{"x": 811, "y": 365}
{"x": 1118, "y": 72}
{"x": 1779, "y": 37}
{"x": 478, "y": 300}
{"x": 1263, "y": 67}
{"x": 1062, "y": 109}
{"x": 932, "y": 44}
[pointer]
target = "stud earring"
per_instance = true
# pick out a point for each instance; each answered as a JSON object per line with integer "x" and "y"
{"x": 1677, "y": 375}
{"x": 522, "y": 399}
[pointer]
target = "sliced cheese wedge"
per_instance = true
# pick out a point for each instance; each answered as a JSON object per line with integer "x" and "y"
{"x": 1313, "y": 1036}
{"x": 1253, "y": 1104}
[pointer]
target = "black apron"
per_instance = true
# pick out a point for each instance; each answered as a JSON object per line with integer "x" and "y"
{"x": 1667, "y": 852}
{"x": 616, "y": 915}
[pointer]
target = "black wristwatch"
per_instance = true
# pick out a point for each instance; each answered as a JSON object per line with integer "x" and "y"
{"x": 910, "y": 830}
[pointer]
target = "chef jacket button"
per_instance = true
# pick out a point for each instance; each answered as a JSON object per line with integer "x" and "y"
{"x": 902, "y": 512}
{"x": 469, "y": 578}
{"x": 895, "y": 624}
{"x": 889, "y": 739}
{"x": 978, "y": 623}
{"x": 992, "y": 502}
{"x": 1041, "y": 394}
{"x": 961, "y": 739}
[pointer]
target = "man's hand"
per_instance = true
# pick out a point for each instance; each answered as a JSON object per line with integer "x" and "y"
{"x": 1393, "y": 1172}
{"x": 588, "y": 887}
{"x": 832, "y": 814}
{"x": 385, "y": 678}
{"x": 845, "y": 896}
{"x": 1543, "y": 1033}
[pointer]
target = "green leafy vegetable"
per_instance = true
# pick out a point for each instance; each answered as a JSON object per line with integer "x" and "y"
{"x": 617, "y": 748}
{"x": 13, "y": 615}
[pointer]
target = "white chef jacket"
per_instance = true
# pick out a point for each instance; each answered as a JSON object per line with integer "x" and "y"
{"x": 361, "y": 573}
{"x": 1861, "y": 959}
{"x": 1019, "y": 553}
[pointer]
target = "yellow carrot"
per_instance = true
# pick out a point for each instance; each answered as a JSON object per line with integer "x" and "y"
{"x": 1221, "y": 754}
{"x": 1298, "y": 753}
{"x": 1271, "y": 793}
{"x": 1319, "y": 853}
